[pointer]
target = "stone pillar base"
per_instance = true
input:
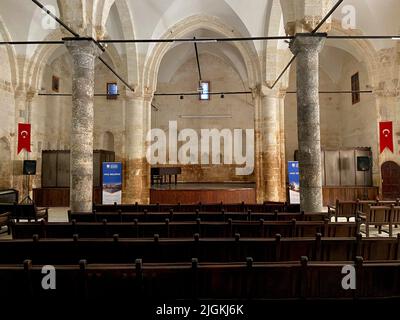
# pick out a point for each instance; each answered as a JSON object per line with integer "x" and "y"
{"x": 137, "y": 182}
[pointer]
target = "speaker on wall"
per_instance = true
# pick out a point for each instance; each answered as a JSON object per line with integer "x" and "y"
{"x": 363, "y": 163}
{"x": 29, "y": 167}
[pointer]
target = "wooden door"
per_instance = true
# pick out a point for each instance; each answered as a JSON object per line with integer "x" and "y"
{"x": 390, "y": 180}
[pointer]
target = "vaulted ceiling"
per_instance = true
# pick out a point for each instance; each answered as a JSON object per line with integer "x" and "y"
{"x": 22, "y": 20}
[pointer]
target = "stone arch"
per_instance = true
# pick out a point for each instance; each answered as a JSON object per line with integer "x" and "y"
{"x": 361, "y": 49}
{"x": 73, "y": 13}
{"x": 274, "y": 57}
{"x": 5, "y": 35}
{"x": 126, "y": 18}
{"x": 101, "y": 12}
{"x": 191, "y": 24}
{"x": 36, "y": 67}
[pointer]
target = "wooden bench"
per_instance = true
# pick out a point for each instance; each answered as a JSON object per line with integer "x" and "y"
{"x": 5, "y": 221}
{"x": 218, "y": 207}
{"x": 196, "y": 281}
{"x": 380, "y": 216}
{"x": 25, "y": 212}
{"x": 261, "y": 229}
{"x": 193, "y": 216}
{"x": 116, "y": 250}
{"x": 352, "y": 209}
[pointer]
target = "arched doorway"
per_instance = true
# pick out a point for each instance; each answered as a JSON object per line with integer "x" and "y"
{"x": 390, "y": 180}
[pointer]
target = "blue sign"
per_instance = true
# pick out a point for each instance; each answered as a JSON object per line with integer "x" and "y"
{"x": 294, "y": 182}
{"x": 112, "y": 182}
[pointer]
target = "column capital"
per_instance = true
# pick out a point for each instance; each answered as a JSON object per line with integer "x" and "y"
{"x": 85, "y": 46}
{"x": 31, "y": 94}
{"x": 132, "y": 96}
{"x": 129, "y": 95}
{"x": 26, "y": 93}
{"x": 146, "y": 94}
{"x": 265, "y": 91}
{"x": 306, "y": 42}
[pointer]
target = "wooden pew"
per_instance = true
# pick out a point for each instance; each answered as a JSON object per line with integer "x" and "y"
{"x": 116, "y": 250}
{"x": 240, "y": 207}
{"x": 221, "y": 216}
{"x": 196, "y": 281}
{"x": 5, "y": 221}
{"x": 352, "y": 209}
{"x": 24, "y": 211}
{"x": 378, "y": 216}
{"x": 261, "y": 229}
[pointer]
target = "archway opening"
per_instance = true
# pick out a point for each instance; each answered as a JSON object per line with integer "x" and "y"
{"x": 223, "y": 68}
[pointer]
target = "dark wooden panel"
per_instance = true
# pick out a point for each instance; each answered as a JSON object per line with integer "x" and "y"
{"x": 63, "y": 169}
{"x": 390, "y": 180}
{"x": 58, "y": 197}
{"x": 49, "y": 169}
{"x": 97, "y": 161}
{"x": 203, "y": 196}
{"x": 56, "y": 167}
{"x": 331, "y": 194}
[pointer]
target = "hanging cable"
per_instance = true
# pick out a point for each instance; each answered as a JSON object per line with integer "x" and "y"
{"x": 312, "y": 32}
{"x": 76, "y": 35}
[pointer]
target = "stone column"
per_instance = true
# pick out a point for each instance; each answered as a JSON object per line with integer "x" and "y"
{"x": 271, "y": 151}
{"x": 307, "y": 49}
{"x": 84, "y": 52}
{"x": 135, "y": 149}
{"x": 258, "y": 146}
{"x": 146, "y": 179}
{"x": 23, "y": 100}
{"x": 283, "y": 166}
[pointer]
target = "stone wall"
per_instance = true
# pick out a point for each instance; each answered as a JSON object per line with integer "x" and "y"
{"x": 359, "y": 122}
{"x": 7, "y": 120}
{"x": 239, "y": 110}
{"x": 344, "y": 125}
{"x": 51, "y": 115}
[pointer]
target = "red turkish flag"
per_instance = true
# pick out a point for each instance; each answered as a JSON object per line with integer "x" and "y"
{"x": 24, "y": 137}
{"x": 386, "y": 136}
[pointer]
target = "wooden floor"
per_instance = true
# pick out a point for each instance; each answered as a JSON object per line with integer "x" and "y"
{"x": 204, "y": 193}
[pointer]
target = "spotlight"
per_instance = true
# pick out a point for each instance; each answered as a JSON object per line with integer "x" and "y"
{"x": 181, "y": 97}
{"x": 222, "y": 96}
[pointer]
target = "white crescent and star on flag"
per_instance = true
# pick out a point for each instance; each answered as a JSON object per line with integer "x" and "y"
{"x": 386, "y": 133}
{"x": 24, "y": 134}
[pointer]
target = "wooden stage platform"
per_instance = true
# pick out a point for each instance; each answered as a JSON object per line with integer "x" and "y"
{"x": 204, "y": 193}
{"x": 236, "y": 193}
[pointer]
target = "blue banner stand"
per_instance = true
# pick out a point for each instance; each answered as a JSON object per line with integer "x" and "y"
{"x": 294, "y": 182}
{"x": 112, "y": 182}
